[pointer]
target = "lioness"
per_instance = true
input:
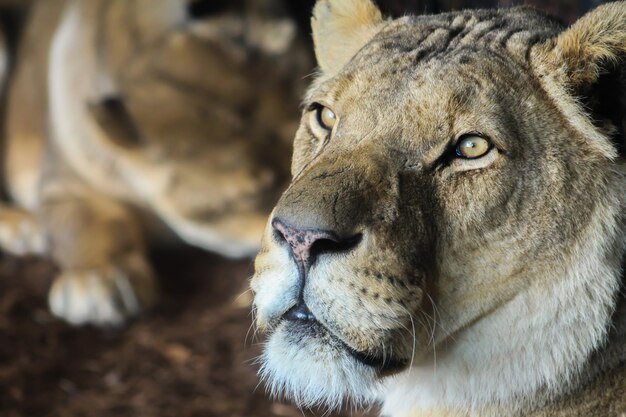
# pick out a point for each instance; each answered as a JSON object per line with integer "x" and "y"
{"x": 125, "y": 113}
{"x": 452, "y": 241}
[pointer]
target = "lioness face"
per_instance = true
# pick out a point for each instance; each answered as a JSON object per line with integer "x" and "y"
{"x": 433, "y": 180}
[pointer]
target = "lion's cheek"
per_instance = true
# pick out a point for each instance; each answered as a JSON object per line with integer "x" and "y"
{"x": 366, "y": 312}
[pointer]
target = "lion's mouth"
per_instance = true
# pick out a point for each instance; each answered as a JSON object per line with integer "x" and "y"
{"x": 304, "y": 322}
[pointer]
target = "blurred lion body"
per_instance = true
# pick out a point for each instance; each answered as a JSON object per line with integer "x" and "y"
{"x": 130, "y": 119}
{"x": 394, "y": 269}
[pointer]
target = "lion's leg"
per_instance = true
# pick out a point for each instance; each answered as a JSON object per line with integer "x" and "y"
{"x": 105, "y": 277}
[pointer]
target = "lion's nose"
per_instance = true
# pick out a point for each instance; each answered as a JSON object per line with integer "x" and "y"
{"x": 307, "y": 244}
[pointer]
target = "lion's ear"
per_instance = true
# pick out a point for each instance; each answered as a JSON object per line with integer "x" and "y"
{"x": 589, "y": 58}
{"x": 594, "y": 45}
{"x": 341, "y": 28}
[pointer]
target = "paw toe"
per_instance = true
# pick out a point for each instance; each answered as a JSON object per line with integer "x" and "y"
{"x": 101, "y": 296}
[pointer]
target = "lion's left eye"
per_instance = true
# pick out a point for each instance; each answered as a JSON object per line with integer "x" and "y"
{"x": 472, "y": 147}
{"x": 326, "y": 117}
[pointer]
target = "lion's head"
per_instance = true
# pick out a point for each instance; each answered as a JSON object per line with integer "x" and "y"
{"x": 453, "y": 232}
{"x": 177, "y": 105}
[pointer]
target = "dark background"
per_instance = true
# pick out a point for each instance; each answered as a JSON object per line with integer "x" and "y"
{"x": 193, "y": 355}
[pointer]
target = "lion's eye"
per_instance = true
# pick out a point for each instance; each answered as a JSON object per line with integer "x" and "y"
{"x": 326, "y": 117}
{"x": 472, "y": 147}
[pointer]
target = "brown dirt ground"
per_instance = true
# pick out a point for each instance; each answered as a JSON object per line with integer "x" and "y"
{"x": 188, "y": 357}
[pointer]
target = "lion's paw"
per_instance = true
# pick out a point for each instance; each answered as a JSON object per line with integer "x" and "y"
{"x": 103, "y": 296}
{"x": 20, "y": 233}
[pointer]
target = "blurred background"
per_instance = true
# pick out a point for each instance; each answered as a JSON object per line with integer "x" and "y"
{"x": 194, "y": 354}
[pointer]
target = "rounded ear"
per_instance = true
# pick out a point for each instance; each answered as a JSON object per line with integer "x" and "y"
{"x": 589, "y": 60}
{"x": 341, "y": 28}
{"x": 594, "y": 45}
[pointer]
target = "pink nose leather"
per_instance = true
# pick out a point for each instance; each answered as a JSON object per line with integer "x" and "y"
{"x": 301, "y": 241}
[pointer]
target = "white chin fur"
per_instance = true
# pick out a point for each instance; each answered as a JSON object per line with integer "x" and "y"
{"x": 315, "y": 371}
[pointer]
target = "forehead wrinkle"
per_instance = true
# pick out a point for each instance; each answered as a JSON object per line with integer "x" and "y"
{"x": 422, "y": 38}
{"x": 413, "y": 42}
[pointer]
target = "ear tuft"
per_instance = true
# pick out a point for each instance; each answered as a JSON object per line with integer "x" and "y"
{"x": 594, "y": 44}
{"x": 341, "y": 28}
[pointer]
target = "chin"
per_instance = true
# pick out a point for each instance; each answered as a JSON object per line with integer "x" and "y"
{"x": 310, "y": 366}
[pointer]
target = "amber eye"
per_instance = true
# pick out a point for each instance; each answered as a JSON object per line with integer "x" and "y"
{"x": 326, "y": 117}
{"x": 472, "y": 147}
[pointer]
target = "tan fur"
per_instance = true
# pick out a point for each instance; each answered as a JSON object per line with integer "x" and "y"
{"x": 595, "y": 42}
{"x": 342, "y": 27}
{"x": 130, "y": 120}
{"x": 446, "y": 287}
{"x": 24, "y": 157}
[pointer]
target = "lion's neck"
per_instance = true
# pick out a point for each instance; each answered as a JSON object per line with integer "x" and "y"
{"x": 547, "y": 343}
{"x": 598, "y": 391}
{"x": 601, "y": 387}
{"x": 613, "y": 353}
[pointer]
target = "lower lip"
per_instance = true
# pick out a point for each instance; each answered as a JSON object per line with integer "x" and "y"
{"x": 308, "y": 328}
{"x": 385, "y": 366}
{"x": 316, "y": 330}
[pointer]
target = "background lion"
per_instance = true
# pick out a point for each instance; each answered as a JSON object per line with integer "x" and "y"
{"x": 453, "y": 237}
{"x": 129, "y": 117}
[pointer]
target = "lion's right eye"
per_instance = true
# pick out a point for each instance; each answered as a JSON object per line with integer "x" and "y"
{"x": 326, "y": 117}
{"x": 472, "y": 147}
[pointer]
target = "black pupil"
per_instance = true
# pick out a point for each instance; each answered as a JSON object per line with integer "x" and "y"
{"x": 320, "y": 116}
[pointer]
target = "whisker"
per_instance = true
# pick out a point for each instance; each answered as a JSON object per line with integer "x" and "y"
{"x": 433, "y": 335}
{"x": 446, "y": 333}
{"x": 241, "y": 295}
{"x": 414, "y": 342}
{"x": 252, "y": 326}
{"x": 245, "y": 340}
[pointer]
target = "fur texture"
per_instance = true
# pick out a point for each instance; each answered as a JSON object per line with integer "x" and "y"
{"x": 450, "y": 286}
{"x": 341, "y": 28}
